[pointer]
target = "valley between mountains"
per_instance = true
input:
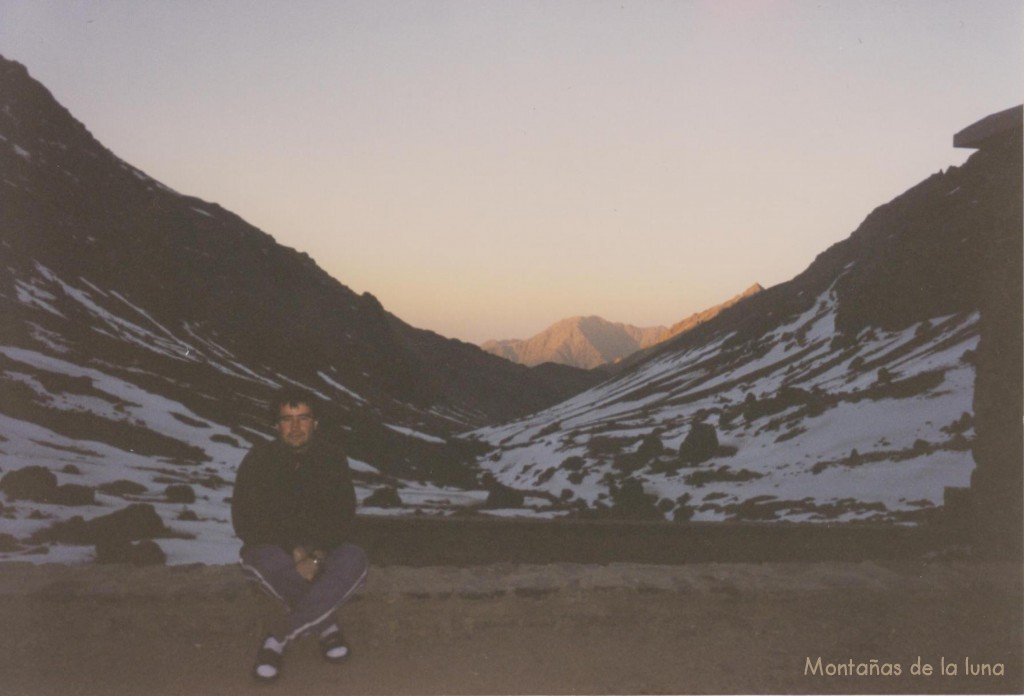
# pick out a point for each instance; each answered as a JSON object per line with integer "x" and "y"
{"x": 143, "y": 330}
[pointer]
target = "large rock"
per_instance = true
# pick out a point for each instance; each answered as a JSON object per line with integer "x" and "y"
{"x": 74, "y": 494}
{"x": 500, "y": 496}
{"x": 631, "y": 501}
{"x": 139, "y": 553}
{"x": 650, "y": 448}
{"x": 386, "y": 497}
{"x": 35, "y": 483}
{"x": 180, "y": 493}
{"x": 700, "y": 445}
{"x": 137, "y": 521}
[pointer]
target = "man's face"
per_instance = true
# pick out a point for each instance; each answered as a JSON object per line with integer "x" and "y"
{"x": 295, "y": 425}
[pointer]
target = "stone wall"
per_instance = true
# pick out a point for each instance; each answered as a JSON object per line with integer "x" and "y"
{"x": 997, "y": 485}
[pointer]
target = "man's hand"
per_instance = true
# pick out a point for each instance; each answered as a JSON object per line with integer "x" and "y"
{"x": 308, "y": 567}
{"x": 307, "y": 563}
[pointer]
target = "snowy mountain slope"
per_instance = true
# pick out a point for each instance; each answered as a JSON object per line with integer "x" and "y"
{"x": 142, "y": 331}
{"x": 844, "y": 394}
{"x": 802, "y": 433}
{"x": 144, "y": 409}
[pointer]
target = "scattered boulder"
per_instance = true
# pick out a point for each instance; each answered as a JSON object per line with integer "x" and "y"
{"x": 501, "y": 496}
{"x": 629, "y": 500}
{"x": 684, "y": 509}
{"x": 8, "y": 543}
{"x": 141, "y": 553}
{"x": 35, "y": 483}
{"x": 700, "y": 445}
{"x": 604, "y": 445}
{"x": 180, "y": 493}
{"x": 629, "y": 462}
{"x": 666, "y": 465}
{"x": 122, "y": 487}
{"x": 650, "y": 448}
{"x": 137, "y": 521}
{"x": 74, "y": 494}
{"x": 574, "y": 463}
{"x": 39, "y": 484}
{"x": 752, "y": 408}
{"x": 504, "y": 497}
{"x": 386, "y": 497}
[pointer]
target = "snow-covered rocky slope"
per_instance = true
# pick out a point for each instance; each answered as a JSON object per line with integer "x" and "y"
{"x": 154, "y": 416}
{"x": 845, "y": 394}
{"x": 142, "y": 332}
{"x": 802, "y": 431}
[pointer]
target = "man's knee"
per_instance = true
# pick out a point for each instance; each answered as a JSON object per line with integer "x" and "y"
{"x": 348, "y": 561}
{"x": 273, "y": 569}
{"x": 264, "y": 558}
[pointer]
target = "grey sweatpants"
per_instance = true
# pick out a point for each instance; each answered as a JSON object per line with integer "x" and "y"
{"x": 310, "y": 605}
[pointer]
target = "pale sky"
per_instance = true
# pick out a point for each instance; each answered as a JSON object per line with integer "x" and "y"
{"x": 488, "y": 168}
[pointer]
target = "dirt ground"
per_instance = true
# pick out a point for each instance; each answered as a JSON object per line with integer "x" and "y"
{"x": 526, "y": 629}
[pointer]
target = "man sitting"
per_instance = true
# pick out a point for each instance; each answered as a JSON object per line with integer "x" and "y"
{"x": 292, "y": 507}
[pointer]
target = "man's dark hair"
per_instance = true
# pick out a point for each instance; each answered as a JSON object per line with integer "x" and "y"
{"x": 293, "y": 396}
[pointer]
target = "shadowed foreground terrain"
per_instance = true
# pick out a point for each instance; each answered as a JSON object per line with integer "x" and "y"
{"x": 524, "y": 628}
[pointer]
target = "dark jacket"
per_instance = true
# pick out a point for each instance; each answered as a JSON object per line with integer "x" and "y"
{"x": 293, "y": 498}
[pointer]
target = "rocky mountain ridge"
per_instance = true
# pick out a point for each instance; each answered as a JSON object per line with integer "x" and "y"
{"x": 681, "y": 327}
{"x": 582, "y": 341}
{"x": 590, "y": 341}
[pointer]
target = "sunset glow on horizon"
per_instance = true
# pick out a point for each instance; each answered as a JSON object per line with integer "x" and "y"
{"x": 486, "y": 169}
